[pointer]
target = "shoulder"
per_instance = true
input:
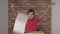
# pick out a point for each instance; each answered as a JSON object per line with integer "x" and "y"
{"x": 37, "y": 19}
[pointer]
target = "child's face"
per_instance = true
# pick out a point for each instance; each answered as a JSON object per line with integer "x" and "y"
{"x": 30, "y": 15}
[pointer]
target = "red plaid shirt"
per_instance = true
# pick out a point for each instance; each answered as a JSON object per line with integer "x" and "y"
{"x": 31, "y": 25}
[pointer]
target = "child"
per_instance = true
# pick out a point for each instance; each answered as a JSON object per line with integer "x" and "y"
{"x": 32, "y": 21}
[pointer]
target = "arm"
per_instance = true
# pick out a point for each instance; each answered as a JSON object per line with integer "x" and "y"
{"x": 45, "y": 12}
{"x": 13, "y": 10}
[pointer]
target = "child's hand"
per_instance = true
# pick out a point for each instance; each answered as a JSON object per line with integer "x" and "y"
{"x": 12, "y": 6}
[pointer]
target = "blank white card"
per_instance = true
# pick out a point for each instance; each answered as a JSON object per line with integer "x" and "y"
{"x": 20, "y": 23}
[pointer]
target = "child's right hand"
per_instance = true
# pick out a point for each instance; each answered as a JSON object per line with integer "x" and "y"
{"x": 12, "y": 7}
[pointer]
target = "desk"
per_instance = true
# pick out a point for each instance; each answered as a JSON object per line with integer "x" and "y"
{"x": 35, "y": 32}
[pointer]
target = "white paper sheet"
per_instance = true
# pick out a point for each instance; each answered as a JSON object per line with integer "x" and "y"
{"x": 20, "y": 23}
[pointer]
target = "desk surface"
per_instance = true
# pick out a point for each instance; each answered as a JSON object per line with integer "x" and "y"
{"x": 35, "y": 32}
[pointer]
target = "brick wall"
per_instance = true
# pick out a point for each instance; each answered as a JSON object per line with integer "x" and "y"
{"x": 38, "y": 5}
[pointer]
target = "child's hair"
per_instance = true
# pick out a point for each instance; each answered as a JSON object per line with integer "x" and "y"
{"x": 31, "y": 10}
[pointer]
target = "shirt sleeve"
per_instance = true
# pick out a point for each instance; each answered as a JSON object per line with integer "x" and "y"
{"x": 37, "y": 19}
